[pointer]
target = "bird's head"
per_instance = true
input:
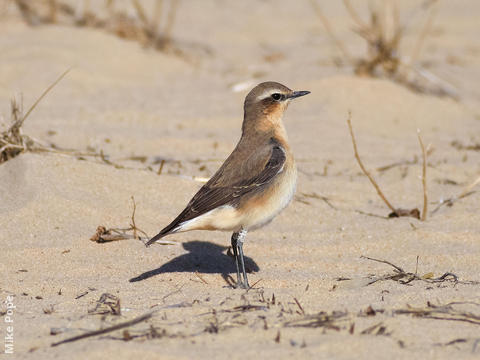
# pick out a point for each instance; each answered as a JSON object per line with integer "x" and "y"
{"x": 267, "y": 102}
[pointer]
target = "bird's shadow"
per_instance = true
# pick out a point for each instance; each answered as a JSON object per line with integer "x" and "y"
{"x": 203, "y": 257}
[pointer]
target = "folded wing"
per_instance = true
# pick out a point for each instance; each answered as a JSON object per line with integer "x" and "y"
{"x": 232, "y": 181}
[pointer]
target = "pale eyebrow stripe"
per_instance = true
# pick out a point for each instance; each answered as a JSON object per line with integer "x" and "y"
{"x": 267, "y": 94}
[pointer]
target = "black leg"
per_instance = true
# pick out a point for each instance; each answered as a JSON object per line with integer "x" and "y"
{"x": 235, "y": 254}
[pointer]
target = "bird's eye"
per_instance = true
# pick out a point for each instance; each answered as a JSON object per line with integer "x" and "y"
{"x": 277, "y": 96}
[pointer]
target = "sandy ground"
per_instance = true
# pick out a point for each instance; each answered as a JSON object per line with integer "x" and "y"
{"x": 130, "y": 101}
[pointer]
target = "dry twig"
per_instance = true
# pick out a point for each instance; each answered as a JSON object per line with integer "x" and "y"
{"x": 467, "y": 191}
{"x": 12, "y": 141}
{"x": 442, "y": 312}
{"x": 335, "y": 320}
{"x": 103, "y": 234}
{"x": 200, "y": 277}
{"x": 329, "y": 30}
{"x": 423, "y": 34}
{"x": 107, "y": 304}
{"x": 424, "y": 177}
{"x": 132, "y": 225}
{"x": 395, "y": 212}
{"x": 360, "y": 163}
{"x": 404, "y": 277}
{"x": 383, "y": 58}
{"x": 140, "y": 27}
{"x": 106, "y": 330}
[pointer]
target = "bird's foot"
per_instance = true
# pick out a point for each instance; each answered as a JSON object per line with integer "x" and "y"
{"x": 242, "y": 284}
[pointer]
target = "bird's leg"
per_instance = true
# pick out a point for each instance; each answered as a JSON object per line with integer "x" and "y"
{"x": 240, "y": 238}
{"x": 235, "y": 254}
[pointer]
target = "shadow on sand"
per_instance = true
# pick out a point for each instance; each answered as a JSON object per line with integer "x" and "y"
{"x": 202, "y": 256}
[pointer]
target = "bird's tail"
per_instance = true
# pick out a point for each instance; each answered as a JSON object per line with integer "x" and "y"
{"x": 170, "y": 229}
{"x": 173, "y": 227}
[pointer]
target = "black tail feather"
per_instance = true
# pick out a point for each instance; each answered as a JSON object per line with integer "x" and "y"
{"x": 170, "y": 229}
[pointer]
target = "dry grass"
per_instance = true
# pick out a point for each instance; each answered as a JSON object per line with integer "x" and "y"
{"x": 12, "y": 141}
{"x": 395, "y": 212}
{"x": 467, "y": 191}
{"x": 107, "y": 304}
{"x": 404, "y": 277}
{"x": 255, "y": 311}
{"x": 450, "y": 311}
{"x": 154, "y": 31}
{"x": 107, "y": 330}
{"x": 104, "y": 235}
{"x": 398, "y": 212}
{"x": 424, "y": 177}
{"x": 383, "y": 34}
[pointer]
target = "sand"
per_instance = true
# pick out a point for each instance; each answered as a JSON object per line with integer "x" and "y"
{"x": 129, "y": 101}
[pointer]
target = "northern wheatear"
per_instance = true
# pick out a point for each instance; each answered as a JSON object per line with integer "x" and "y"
{"x": 256, "y": 181}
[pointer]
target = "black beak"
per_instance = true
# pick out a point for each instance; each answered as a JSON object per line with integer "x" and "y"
{"x": 296, "y": 94}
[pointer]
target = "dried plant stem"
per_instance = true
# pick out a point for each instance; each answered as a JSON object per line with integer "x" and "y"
{"x": 132, "y": 225}
{"x": 404, "y": 277}
{"x": 465, "y": 192}
{"x": 162, "y": 163}
{"x": 52, "y": 11}
{"x": 444, "y": 86}
{"x": 442, "y": 312}
{"x": 330, "y": 32}
{"x": 140, "y": 12}
{"x": 370, "y": 177}
{"x": 170, "y": 19}
{"x": 103, "y": 234}
{"x": 157, "y": 15}
{"x": 354, "y": 15}
{"x": 398, "y": 268}
{"x": 200, "y": 277}
{"x": 469, "y": 188}
{"x": 384, "y": 57}
{"x": 106, "y": 330}
{"x": 423, "y": 34}
{"x": 13, "y": 146}
{"x": 47, "y": 90}
{"x": 424, "y": 178}
{"x": 12, "y": 141}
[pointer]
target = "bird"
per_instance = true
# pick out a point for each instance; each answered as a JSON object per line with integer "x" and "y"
{"x": 255, "y": 183}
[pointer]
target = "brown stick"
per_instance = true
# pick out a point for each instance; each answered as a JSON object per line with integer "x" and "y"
{"x": 299, "y": 306}
{"x": 424, "y": 177}
{"x": 159, "y": 172}
{"x": 201, "y": 278}
{"x": 106, "y": 330}
{"x": 469, "y": 188}
{"x": 466, "y": 192}
{"x": 134, "y": 227}
{"x": 370, "y": 177}
{"x": 384, "y": 262}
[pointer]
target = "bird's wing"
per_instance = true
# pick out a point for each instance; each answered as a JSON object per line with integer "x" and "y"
{"x": 227, "y": 185}
{"x": 231, "y": 182}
